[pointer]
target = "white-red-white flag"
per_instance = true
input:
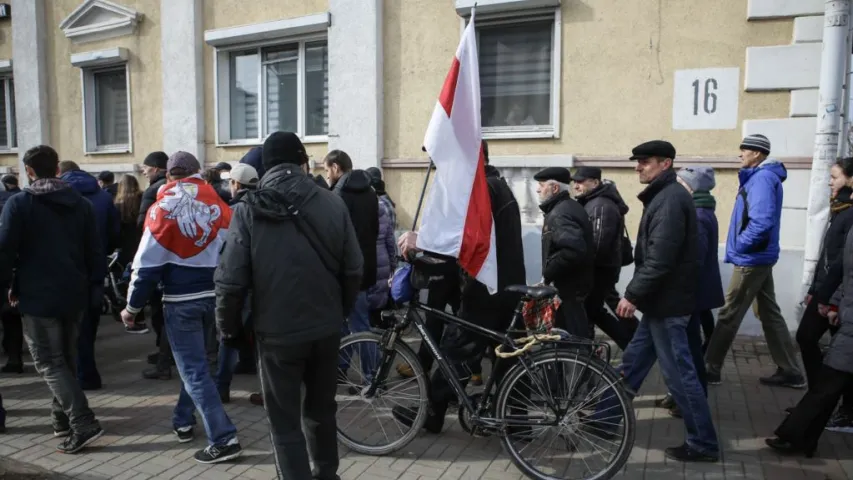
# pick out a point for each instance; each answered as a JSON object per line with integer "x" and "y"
{"x": 457, "y": 217}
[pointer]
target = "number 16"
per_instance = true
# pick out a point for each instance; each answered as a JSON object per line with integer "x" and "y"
{"x": 710, "y": 103}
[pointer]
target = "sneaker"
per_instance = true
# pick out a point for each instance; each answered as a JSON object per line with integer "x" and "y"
{"x": 684, "y": 453}
{"x": 782, "y": 379}
{"x": 184, "y": 434}
{"x": 714, "y": 378}
{"x": 841, "y": 422}
{"x": 219, "y": 453}
{"x": 157, "y": 373}
{"x": 61, "y": 432}
{"x": 138, "y": 328}
{"x": 78, "y": 441}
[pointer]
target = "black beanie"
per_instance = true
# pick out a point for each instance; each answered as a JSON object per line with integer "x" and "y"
{"x": 157, "y": 160}
{"x": 283, "y": 147}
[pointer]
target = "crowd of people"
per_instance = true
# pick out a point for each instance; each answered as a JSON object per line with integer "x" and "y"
{"x": 262, "y": 267}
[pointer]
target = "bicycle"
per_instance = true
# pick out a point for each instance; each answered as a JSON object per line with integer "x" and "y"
{"x": 543, "y": 366}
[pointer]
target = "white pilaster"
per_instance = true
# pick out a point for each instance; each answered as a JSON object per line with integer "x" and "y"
{"x": 29, "y": 42}
{"x": 355, "y": 80}
{"x": 181, "y": 31}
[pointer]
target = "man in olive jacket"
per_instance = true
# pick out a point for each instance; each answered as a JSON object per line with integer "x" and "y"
{"x": 293, "y": 245}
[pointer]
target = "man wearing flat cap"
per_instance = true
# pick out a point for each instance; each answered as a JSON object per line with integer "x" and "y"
{"x": 567, "y": 248}
{"x": 663, "y": 288}
{"x": 606, "y": 211}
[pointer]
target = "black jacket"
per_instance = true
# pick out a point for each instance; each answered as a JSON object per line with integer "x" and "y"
{"x": 606, "y": 211}
{"x": 4, "y": 197}
{"x": 363, "y": 205}
{"x": 296, "y": 297}
{"x": 567, "y": 247}
{"x": 149, "y": 196}
{"x": 112, "y": 189}
{"x": 667, "y": 267}
{"x": 50, "y": 238}
{"x": 829, "y": 268}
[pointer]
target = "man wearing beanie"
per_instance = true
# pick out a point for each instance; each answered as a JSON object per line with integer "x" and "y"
{"x": 753, "y": 247}
{"x": 184, "y": 232}
{"x": 292, "y": 244}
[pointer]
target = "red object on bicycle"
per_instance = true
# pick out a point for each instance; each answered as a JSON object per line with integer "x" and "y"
{"x": 539, "y": 314}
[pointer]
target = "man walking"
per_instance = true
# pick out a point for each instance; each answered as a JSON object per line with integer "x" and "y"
{"x": 107, "y": 181}
{"x": 49, "y": 236}
{"x": 184, "y": 232}
{"x": 663, "y": 288}
{"x": 292, "y": 244}
{"x": 567, "y": 248}
{"x": 606, "y": 211}
{"x": 753, "y": 247}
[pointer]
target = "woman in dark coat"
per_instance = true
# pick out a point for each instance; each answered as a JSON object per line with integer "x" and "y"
{"x": 801, "y": 430}
{"x": 128, "y": 201}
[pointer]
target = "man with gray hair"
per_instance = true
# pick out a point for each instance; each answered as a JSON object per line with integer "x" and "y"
{"x": 567, "y": 248}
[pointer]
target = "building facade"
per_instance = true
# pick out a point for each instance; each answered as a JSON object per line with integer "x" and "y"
{"x": 564, "y": 82}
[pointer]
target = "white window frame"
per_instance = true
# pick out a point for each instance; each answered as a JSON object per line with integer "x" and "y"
{"x": 222, "y": 95}
{"x": 90, "y": 115}
{"x": 516, "y": 17}
{"x": 11, "y": 126}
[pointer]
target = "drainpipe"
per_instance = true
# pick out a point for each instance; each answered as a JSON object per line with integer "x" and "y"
{"x": 845, "y": 147}
{"x": 834, "y": 56}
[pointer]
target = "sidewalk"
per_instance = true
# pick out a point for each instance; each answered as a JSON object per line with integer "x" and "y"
{"x": 138, "y": 443}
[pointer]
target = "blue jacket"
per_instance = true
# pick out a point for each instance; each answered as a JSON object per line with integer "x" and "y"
{"x": 107, "y": 217}
{"x": 754, "y": 228}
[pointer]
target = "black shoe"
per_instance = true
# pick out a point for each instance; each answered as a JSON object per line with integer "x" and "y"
{"x": 256, "y": 399}
{"x": 405, "y": 415}
{"x": 219, "y": 453}
{"x": 157, "y": 373}
{"x": 785, "y": 447}
{"x": 225, "y": 397}
{"x": 78, "y": 441}
{"x": 713, "y": 378}
{"x": 137, "y": 328}
{"x": 184, "y": 434}
{"x": 782, "y": 379}
{"x": 665, "y": 402}
{"x": 13, "y": 368}
{"x": 153, "y": 358}
{"x": 684, "y": 453}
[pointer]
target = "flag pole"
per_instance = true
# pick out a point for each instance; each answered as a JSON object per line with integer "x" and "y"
{"x": 423, "y": 194}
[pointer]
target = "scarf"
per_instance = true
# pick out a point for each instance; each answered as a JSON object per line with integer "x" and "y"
{"x": 704, "y": 200}
{"x": 46, "y": 185}
{"x": 841, "y": 201}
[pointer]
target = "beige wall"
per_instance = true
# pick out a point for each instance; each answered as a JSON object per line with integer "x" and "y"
{"x": 7, "y": 159}
{"x": 232, "y": 13}
{"x": 616, "y": 91}
{"x": 65, "y": 85}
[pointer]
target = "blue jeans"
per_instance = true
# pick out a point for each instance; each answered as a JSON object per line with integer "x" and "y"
{"x": 359, "y": 321}
{"x": 666, "y": 340}
{"x": 186, "y": 329}
{"x": 226, "y": 361}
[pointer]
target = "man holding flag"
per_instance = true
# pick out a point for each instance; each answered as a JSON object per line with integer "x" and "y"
{"x": 471, "y": 216}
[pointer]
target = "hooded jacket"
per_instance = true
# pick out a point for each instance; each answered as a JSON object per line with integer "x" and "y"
{"x": 49, "y": 236}
{"x": 149, "y": 196}
{"x": 354, "y": 188}
{"x": 106, "y": 213}
{"x": 296, "y": 297}
{"x": 606, "y": 210}
{"x": 756, "y": 218}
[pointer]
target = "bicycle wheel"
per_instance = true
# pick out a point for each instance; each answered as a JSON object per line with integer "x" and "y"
{"x": 593, "y": 418}
{"x": 369, "y": 425}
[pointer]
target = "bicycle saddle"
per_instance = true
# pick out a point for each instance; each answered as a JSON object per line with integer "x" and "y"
{"x": 537, "y": 292}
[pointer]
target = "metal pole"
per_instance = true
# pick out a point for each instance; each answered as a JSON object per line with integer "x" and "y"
{"x": 832, "y": 74}
{"x": 845, "y": 148}
{"x": 423, "y": 194}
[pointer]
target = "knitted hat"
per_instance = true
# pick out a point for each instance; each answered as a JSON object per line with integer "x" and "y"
{"x": 700, "y": 179}
{"x": 283, "y": 147}
{"x": 184, "y": 163}
{"x": 156, "y": 159}
{"x": 756, "y": 143}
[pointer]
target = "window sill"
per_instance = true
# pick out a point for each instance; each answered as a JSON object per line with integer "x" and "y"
{"x": 517, "y": 135}
{"x": 8, "y": 151}
{"x": 112, "y": 150}
{"x": 257, "y": 142}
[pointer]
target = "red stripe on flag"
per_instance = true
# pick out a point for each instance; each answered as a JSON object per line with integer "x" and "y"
{"x": 476, "y": 237}
{"x": 448, "y": 91}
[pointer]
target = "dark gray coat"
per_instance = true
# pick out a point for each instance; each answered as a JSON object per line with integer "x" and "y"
{"x": 606, "y": 211}
{"x": 840, "y": 354}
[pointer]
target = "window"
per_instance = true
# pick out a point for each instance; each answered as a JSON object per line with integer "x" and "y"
{"x": 520, "y": 75}
{"x": 8, "y": 133}
{"x": 273, "y": 87}
{"x": 106, "y": 109}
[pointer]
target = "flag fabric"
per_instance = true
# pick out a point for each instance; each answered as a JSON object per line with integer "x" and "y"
{"x": 457, "y": 218}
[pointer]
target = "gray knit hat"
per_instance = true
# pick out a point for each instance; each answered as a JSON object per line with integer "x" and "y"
{"x": 184, "y": 163}
{"x": 757, "y": 143}
{"x": 700, "y": 179}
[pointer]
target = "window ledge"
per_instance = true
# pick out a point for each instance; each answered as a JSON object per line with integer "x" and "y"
{"x": 268, "y": 30}
{"x": 6, "y": 66}
{"x": 463, "y": 7}
{"x": 8, "y": 151}
{"x": 517, "y": 135}
{"x": 314, "y": 139}
{"x": 99, "y": 58}
{"x": 110, "y": 151}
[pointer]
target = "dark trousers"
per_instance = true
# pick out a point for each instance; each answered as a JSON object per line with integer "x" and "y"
{"x": 284, "y": 369}
{"x": 811, "y": 329}
{"x": 441, "y": 294}
{"x": 620, "y": 331}
{"x": 13, "y": 333}
{"x": 572, "y": 318}
{"x": 157, "y": 323}
{"x": 706, "y": 317}
{"x": 87, "y": 369}
{"x": 804, "y": 426}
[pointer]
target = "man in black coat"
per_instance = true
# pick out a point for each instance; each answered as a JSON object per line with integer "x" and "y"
{"x": 663, "y": 288}
{"x": 606, "y": 211}
{"x": 293, "y": 245}
{"x": 567, "y": 248}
